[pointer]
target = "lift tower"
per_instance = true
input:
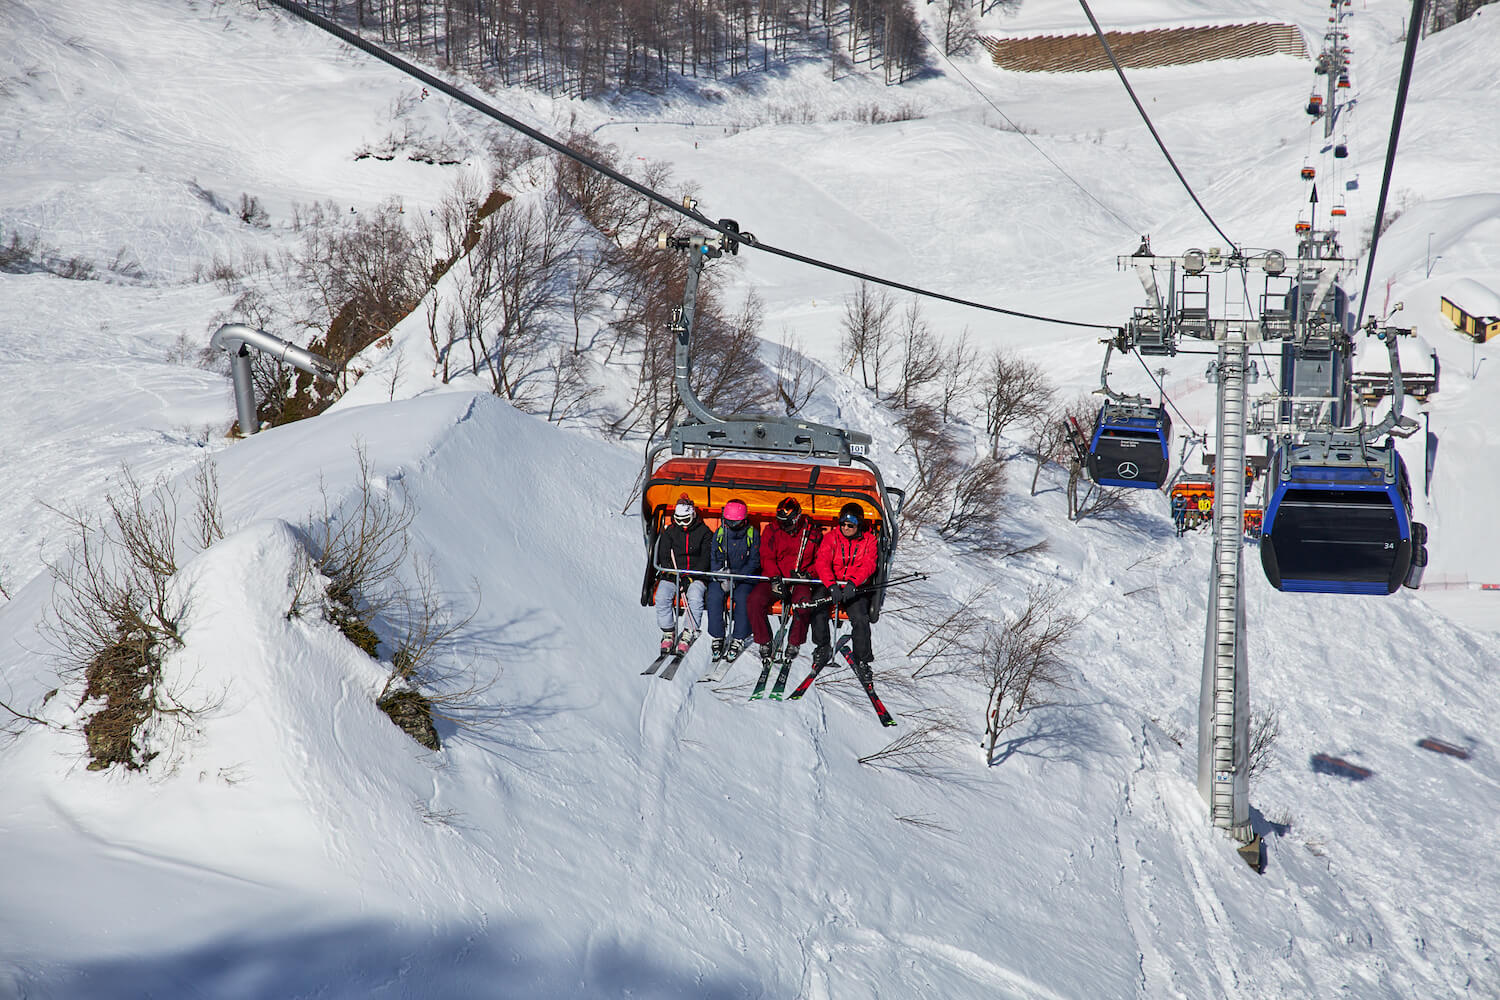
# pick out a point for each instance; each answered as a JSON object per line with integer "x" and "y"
{"x": 1294, "y": 289}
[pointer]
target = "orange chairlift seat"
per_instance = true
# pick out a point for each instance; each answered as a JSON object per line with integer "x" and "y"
{"x": 1308, "y": 172}
{"x": 710, "y": 483}
{"x": 1315, "y": 105}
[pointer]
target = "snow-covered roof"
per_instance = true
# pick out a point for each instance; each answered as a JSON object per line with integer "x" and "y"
{"x": 1417, "y": 356}
{"x": 1473, "y": 298}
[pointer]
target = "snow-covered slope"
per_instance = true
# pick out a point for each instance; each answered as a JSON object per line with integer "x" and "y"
{"x": 615, "y": 835}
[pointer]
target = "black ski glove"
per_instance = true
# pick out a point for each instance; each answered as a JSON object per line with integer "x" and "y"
{"x": 778, "y": 586}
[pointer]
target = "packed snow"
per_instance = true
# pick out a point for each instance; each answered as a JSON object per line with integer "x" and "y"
{"x": 604, "y": 834}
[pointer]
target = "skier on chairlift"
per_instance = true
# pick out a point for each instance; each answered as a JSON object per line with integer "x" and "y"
{"x": 788, "y": 548}
{"x": 683, "y": 548}
{"x": 846, "y": 562}
{"x": 736, "y": 550}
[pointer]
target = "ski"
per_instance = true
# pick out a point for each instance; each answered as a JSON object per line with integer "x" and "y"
{"x": 807, "y": 682}
{"x": 780, "y": 685}
{"x": 867, "y": 678}
{"x": 719, "y": 667}
{"x": 812, "y": 675}
{"x": 656, "y": 663}
{"x": 675, "y": 660}
{"x": 760, "y": 682}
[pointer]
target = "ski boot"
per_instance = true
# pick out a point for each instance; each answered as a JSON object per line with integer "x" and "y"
{"x": 719, "y": 648}
{"x": 822, "y": 656}
{"x": 790, "y": 653}
{"x": 766, "y": 651}
{"x": 685, "y": 640}
{"x": 668, "y": 638}
{"x": 736, "y": 647}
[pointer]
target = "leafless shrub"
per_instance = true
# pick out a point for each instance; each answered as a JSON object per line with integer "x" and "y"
{"x": 116, "y": 616}
{"x": 358, "y": 551}
{"x": 1012, "y": 389}
{"x": 928, "y": 740}
{"x": 358, "y": 554}
{"x": 951, "y": 631}
{"x": 253, "y": 213}
{"x": 1264, "y": 728}
{"x": 797, "y": 376}
{"x": 1022, "y": 662}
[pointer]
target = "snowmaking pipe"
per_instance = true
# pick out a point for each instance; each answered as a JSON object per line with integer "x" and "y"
{"x": 237, "y": 339}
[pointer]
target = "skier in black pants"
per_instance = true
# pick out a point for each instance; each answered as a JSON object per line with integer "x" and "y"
{"x": 846, "y": 562}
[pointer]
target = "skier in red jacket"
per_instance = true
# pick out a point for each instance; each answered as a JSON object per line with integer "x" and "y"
{"x": 846, "y": 562}
{"x": 788, "y": 547}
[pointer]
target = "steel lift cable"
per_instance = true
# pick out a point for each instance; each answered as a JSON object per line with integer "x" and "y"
{"x": 697, "y": 217}
{"x": 1413, "y": 31}
{"x": 1099, "y": 33}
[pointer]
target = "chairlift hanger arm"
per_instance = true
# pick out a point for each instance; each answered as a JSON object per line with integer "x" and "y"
{"x": 774, "y": 435}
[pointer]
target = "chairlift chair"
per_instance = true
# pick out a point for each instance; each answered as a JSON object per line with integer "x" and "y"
{"x": 1308, "y": 172}
{"x": 1315, "y": 105}
{"x": 813, "y": 463}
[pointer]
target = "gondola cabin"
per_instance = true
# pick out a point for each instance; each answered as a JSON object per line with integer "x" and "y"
{"x": 1338, "y": 521}
{"x": 1130, "y": 446}
{"x": 1341, "y": 150}
{"x": 821, "y": 490}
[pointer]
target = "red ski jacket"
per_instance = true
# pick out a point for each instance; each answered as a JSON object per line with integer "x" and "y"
{"x": 784, "y": 553}
{"x": 848, "y": 559}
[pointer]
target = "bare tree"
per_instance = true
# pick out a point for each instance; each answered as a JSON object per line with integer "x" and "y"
{"x": 1022, "y": 663}
{"x": 974, "y": 503}
{"x": 934, "y": 452}
{"x": 797, "y": 377}
{"x": 569, "y": 390}
{"x": 867, "y": 337}
{"x": 1264, "y": 727}
{"x": 1013, "y": 389}
{"x": 921, "y": 356}
{"x": 958, "y": 375}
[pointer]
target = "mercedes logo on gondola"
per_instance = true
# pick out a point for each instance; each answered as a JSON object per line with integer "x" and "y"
{"x": 1127, "y": 470}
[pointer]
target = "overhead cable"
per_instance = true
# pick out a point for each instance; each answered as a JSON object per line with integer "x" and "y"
{"x": 1163, "y": 390}
{"x": 1099, "y": 33}
{"x": 697, "y": 217}
{"x": 1413, "y": 30}
{"x": 1017, "y": 129}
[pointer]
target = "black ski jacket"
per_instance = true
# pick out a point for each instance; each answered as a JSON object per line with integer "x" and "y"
{"x": 689, "y": 548}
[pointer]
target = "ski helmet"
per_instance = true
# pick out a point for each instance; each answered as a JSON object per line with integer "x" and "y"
{"x": 736, "y": 513}
{"x": 684, "y": 512}
{"x": 787, "y": 512}
{"x": 852, "y": 513}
